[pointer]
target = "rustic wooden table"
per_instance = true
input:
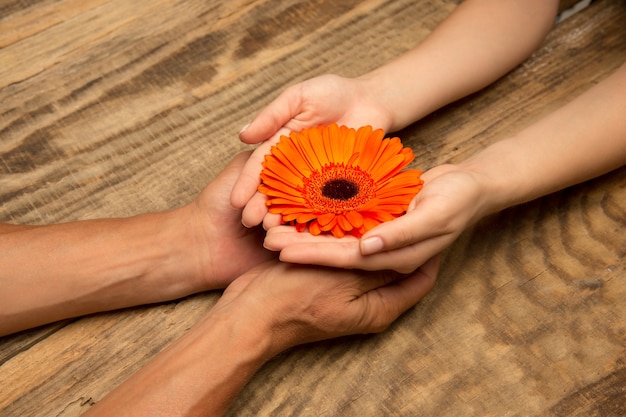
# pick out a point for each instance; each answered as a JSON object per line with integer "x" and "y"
{"x": 111, "y": 108}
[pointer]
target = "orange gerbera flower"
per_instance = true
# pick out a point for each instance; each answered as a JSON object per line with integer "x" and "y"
{"x": 335, "y": 179}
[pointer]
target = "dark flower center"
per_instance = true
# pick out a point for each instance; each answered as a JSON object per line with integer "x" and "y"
{"x": 340, "y": 189}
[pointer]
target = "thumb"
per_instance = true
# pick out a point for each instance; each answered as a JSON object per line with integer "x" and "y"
{"x": 403, "y": 231}
{"x": 249, "y": 178}
{"x": 274, "y": 116}
{"x": 394, "y": 299}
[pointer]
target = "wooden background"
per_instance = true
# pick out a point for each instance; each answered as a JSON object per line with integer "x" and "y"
{"x": 111, "y": 108}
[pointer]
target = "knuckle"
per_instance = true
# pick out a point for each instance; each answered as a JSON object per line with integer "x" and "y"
{"x": 403, "y": 237}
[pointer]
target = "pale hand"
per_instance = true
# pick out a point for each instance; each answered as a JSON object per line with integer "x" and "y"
{"x": 450, "y": 200}
{"x": 318, "y": 101}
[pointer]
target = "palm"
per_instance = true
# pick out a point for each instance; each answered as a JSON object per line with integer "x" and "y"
{"x": 439, "y": 213}
{"x": 230, "y": 248}
{"x": 322, "y": 100}
{"x": 332, "y": 99}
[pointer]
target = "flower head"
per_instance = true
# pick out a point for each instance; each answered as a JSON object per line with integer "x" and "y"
{"x": 335, "y": 179}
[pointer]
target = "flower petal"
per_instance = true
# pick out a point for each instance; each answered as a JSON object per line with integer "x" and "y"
{"x": 355, "y": 218}
{"x": 337, "y": 231}
{"x": 285, "y": 174}
{"x": 325, "y": 218}
{"x": 329, "y": 226}
{"x": 343, "y": 222}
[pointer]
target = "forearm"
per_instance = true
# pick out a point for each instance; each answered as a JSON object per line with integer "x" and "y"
{"x": 478, "y": 43}
{"x": 53, "y": 272}
{"x": 584, "y": 139}
{"x": 198, "y": 375}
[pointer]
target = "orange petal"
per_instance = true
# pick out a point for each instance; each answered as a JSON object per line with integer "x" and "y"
{"x": 363, "y": 133}
{"x": 285, "y": 174}
{"x": 280, "y": 193}
{"x": 337, "y": 231}
{"x": 381, "y": 216}
{"x": 333, "y": 133}
{"x": 325, "y": 218}
{"x": 355, "y": 218}
{"x": 272, "y": 180}
{"x": 369, "y": 224}
{"x": 290, "y": 209}
{"x": 308, "y": 151}
{"x": 370, "y": 205}
{"x": 300, "y": 155}
{"x": 288, "y": 156}
{"x": 388, "y": 168}
{"x": 287, "y": 202}
{"x": 317, "y": 144}
{"x": 398, "y": 200}
{"x": 328, "y": 142}
{"x": 344, "y": 223}
{"x": 305, "y": 217}
{"x": 348, "y": 145}
{"x": 370, "y": 149}
{"x": 314, "y": 228}
{"x": 329, "y": 226}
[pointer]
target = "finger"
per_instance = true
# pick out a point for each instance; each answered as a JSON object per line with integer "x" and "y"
{"x": 415, "y": 226}
{"x": 249, "y": 178}
{"x": 254, "y": 212}
{"x": 339, "y": 254}
{"x": 390, "y": 301}
{"x": 273, "y": 117}
{"x": 346, "y": 254}
{"x": 271, "y": 221}
{"x": 277, "y": 238}
{"x": 406, "y": 292}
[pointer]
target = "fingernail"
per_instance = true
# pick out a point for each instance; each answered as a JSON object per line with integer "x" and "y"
{"x": 371, "y": 245}
{"x": 244, "y": 128}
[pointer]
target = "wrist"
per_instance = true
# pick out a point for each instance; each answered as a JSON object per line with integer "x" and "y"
{"x": 263, "y": 303}
{"x": 199, "y": 374}
{"x": 182, "y": 263}
{"x": 501, "y": 179}
{"x": 188, "y": 258}
{"x": 249, "y": 333}
{"x": 374, "y": 87}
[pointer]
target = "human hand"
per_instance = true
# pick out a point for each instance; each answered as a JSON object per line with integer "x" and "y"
{"x": 225, "y": 248}
{"x": 295, "y": 304}
{"x": 321, "y": 100}
{"x": 450, "y": 200}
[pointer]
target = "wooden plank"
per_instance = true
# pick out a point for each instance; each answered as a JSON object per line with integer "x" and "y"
{"x": 110, "y": 108}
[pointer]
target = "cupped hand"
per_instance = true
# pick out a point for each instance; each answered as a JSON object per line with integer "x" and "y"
{"x": 318, "y": 101}
{"x": 225, "y": 248}
{"x": 449, "y": 202}
{"x": 300, "y": 304}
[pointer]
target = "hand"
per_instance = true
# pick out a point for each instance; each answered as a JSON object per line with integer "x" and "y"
{"x": 270, "y": 308}
{"x": 450, "y": 200}
{"x": 322, "y": 100}
{"x": 300, "y": 304}
{"x": 226, "y": 248}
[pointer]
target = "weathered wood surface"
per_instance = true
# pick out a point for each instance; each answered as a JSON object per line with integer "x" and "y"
{"x": 110, "y": 108}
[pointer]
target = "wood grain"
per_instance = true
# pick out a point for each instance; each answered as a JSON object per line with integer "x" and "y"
{"x": 110, "y": 108}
